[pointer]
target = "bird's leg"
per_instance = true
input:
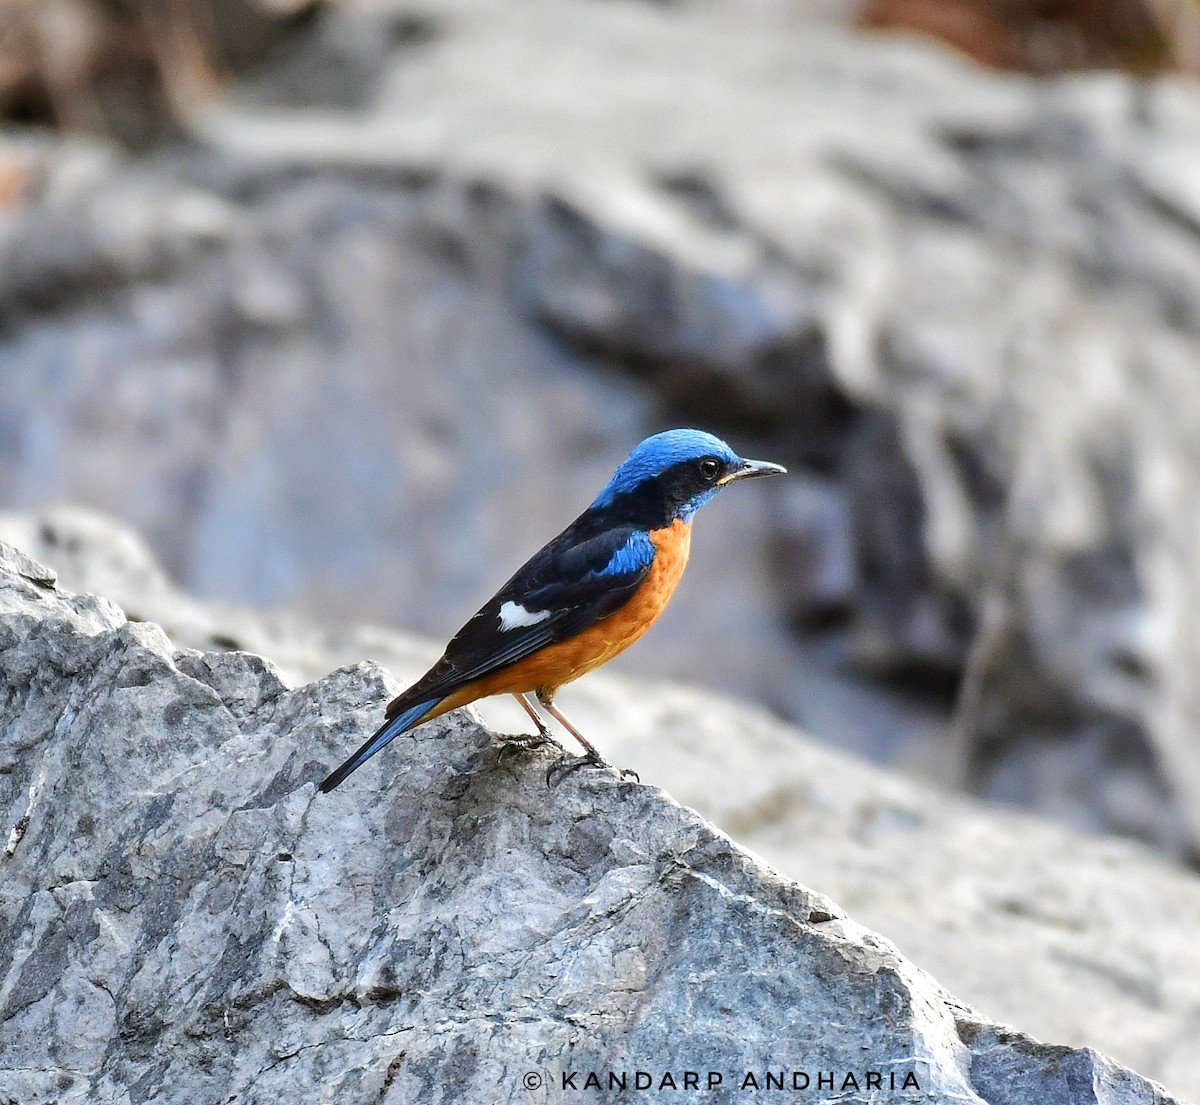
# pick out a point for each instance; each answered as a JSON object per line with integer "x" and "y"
{"x": 590, "y": 758}
{"x": 555, "y": 712}
{"x": 542, "y": 728}
{"x": 543, "y": 737}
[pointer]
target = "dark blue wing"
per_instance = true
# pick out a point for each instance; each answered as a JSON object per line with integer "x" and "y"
{"x": 576, "y": 580}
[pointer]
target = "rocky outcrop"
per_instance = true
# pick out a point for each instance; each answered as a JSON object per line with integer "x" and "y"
{"x": 185, "y": 920}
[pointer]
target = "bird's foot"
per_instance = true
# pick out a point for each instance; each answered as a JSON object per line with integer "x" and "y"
{"x": 560, "y": 769}
{"x": 526, "y": 742}
{"x": 563, "y": 767}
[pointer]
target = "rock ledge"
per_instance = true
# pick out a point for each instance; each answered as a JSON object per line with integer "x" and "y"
{"x": 186, "y": 922}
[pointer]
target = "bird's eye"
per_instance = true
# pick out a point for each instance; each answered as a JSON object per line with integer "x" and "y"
{"x": 709, "y": 468}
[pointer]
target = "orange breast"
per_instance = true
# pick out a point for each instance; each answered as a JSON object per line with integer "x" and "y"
{"x": 549, "y": 668}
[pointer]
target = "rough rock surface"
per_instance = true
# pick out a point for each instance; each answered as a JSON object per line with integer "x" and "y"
{"x": 965, "y": 309}
{"x": 186, "y": 921}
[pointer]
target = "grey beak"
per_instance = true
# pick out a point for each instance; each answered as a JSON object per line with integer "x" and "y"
{"x": 751, "y": 468}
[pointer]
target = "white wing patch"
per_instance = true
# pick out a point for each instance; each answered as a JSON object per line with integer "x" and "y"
{"x": 513, "y": 615}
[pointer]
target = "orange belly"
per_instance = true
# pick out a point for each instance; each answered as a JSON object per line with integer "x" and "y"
{"x": 549, "y": 668}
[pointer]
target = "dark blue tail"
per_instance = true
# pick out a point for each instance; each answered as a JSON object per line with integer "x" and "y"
{"x": 391, "y": 728}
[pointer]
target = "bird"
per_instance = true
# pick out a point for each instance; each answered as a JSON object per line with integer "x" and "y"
{"x": 585, "y": 596}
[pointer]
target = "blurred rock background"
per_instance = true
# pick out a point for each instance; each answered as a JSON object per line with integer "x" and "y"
{"x": 347, "y": 307}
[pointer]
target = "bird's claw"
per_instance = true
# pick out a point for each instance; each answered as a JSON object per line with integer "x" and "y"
{"x": 563, "y": 767}
{"x": 560, "y": 769}
{"x": 526, "y": 742}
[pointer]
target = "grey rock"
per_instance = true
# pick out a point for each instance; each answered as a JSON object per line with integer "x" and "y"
{"x": 1084, "y": 941}
{"x": 95, "y": 554}
{"x": 186, "y": 921}
{"x": 1077, "y": 939}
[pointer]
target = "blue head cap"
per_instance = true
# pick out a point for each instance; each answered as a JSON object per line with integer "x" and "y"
{"x": 668, "y": 455}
